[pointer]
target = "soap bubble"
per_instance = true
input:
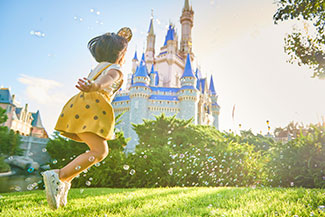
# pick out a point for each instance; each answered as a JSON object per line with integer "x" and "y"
{"x": 181, "y": 155}
{"x": 30, "y": 187}
{"x": 132, "y": 172}
{"x": 81, "y": 191}
{"x": 98, "y": 12}
{"x": 210, "y": 159}
{"x": 78, "y": 167}
{"x": 92, "y": 10}
{"x": 170, "y": 171}
{"x": 10, "y": 158}
{"x": 30, "y": 169}
{"x": 91, "y": 158}
{"x": 55, "y": 161}
{"x": 44, "y": 149}
{"x": 88, "y": 183}
{"x": 97, "y": 164}
{"x": 17, "y": 188}
{"x": 126, "y": 167}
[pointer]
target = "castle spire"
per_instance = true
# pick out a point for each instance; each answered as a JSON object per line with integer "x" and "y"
{"x": 135, "y": 56}
{"x": 187, "y": 25}
{"x": 211, "y": 88}
{"x": 186, "y": 6}
{"x": 188, "y": 72}
{"x": 150, "y": 31}
{"x": 151, "y": 40}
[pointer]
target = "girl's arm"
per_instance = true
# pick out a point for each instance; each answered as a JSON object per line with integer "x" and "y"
{"x": 107, "y": 80}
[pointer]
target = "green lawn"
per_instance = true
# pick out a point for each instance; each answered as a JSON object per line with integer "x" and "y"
{"x": 177, "y": 201}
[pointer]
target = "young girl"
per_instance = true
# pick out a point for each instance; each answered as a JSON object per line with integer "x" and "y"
{"x": 88, "y": 116}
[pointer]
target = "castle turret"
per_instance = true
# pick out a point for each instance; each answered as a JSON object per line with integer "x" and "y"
{"x": 171, "y": 40}
{"x": 150, "y": 51}
{"x": 187, "y": 24}
{"x": 154, "y": 78}
{"x": 139, "y": 94}
{"x": 198, "y": 76}
{"x": 135, "y": 62}
{"x": 215, "y": 107}
{"x": 188, "y": 94}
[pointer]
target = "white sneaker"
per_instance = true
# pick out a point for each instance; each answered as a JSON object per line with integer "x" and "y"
{"x": 64, "y": 195}
{"x": 53, "y": 187}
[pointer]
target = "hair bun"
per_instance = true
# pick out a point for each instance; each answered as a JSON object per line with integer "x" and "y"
{"x": 126, "y": 33}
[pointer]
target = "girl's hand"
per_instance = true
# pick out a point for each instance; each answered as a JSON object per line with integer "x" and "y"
{"x": 86, "y": 85}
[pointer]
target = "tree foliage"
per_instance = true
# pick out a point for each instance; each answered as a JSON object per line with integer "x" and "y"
{"x": 305, "y": 45}
{"x": 3, "y": 116}
{"x": 174, "y": 152}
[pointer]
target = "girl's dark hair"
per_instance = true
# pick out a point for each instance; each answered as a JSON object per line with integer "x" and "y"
{"x": 107, "y": 47}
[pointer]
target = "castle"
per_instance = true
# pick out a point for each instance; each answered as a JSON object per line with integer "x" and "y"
{"x": 20, "y": 119}
{"x": 166, "y": 83}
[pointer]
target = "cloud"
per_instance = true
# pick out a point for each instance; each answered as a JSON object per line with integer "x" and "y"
{"x": 40, "y": 90}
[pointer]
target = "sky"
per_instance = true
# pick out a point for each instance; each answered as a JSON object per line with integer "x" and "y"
{"x": 43, "y": 46}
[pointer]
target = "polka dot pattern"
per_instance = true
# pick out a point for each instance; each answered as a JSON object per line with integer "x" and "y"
{"x": 87, "y": 112}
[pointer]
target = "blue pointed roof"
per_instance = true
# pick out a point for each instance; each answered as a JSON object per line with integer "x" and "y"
{"x": 198, "y": 75}
{"x": 150, "y": 31}
{"x": 198, "y": 84}
{"x": 211, "y": 88}
{"x": 202, "y": 81}
{"x": 5, "y": 96}
{"x": 135, "y": 56}
{"x": 170, "y": 34}
{"x": 37, "y": 122}
{"x": 142, "y": 58}
{"x": 188, "y": 68}
{"x": 152, "y": 69}
{"x": 142, "y": 69}
{"x": 18, "y": 111}
{"x": 156, "y": 73}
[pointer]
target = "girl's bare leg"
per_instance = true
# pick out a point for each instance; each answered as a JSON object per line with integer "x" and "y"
{"x": 98, "y": 152}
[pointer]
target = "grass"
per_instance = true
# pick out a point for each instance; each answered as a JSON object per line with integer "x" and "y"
{"x": 176, "y": 201}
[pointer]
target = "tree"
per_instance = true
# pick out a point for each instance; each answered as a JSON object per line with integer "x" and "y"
{"x": 9, "y": 140}
{"x": 3, "y": 116}
{"x": 305, "y": 45}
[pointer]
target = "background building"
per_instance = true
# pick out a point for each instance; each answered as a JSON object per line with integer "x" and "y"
{"x": 20, "y": 119}
{"x": 167, "y": 83}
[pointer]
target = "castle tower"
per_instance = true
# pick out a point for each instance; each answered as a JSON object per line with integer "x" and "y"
{"x": 150, "y": 51}
{"x": 171, "y": 41}
{"x": 187, "y": 24}
{"x": 135, "y": 62}
{"x": 188, "y": 94}
{"x": 215, "y": 107}
{"x": 154, "y": 78}
{"x": 139, "y": 94}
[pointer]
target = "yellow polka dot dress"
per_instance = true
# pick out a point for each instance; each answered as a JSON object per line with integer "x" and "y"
{"x": 91, "y": 111}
